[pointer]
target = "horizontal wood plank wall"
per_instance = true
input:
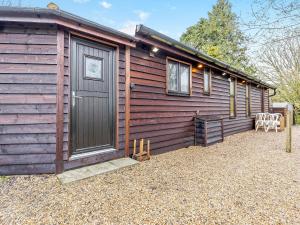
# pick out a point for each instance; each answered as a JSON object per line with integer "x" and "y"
{"x": 27, "y": 99}
{"x": 28, "y": 65}
{"x": 168, "y": 120}
{"x": 255, "y": 100}
{"x": 241, "y": 122}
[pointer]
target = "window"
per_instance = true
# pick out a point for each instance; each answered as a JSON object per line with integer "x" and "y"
{"x": 93, "y": 67}
{"x": 248, "y": 109}
{"x": 232, "y": 112}
{"x": 178, "y": 76}
{"x": 207, "y": 81}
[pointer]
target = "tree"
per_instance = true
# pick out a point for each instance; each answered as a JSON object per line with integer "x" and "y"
{"x": 274, "y": 20}
{"x": 220, "y": 37}
{"x": 280, "y": 65}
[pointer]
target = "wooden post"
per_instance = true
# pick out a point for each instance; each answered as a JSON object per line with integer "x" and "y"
{"x": 59, "y": 164}
{"x": 134, "y": 147}
{"x": 222, "y": 127}
{"x": 288, "y": 132}
{"x": 127, "y": 100}
{"x": 205, "y": 133}
{"x": 141, "y": 146}
{"x": 148, "y": 148}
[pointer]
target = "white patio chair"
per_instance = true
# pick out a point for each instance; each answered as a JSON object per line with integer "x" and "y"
{"x": 273, "y": 122}
{"x": 267, "y": 118}
{"x": 260, "y": 120}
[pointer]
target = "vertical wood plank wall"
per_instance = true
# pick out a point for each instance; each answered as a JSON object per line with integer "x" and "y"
{"x": 27, "y": 99}
{"x": 255, "y": 100}
{"x": 168, "y": 120}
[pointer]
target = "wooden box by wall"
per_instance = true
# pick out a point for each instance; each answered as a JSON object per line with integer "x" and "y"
{"x": 208, "y": 130}
{"x": 283, "y": 111}
{"x": 282, "y": 123}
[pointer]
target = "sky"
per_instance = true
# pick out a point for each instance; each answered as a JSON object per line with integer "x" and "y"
{"x": 170, "y": 17}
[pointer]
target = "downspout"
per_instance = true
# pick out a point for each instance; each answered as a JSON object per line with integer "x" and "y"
{"x": 272, "y": 96}
{"x": 273, "y": 93}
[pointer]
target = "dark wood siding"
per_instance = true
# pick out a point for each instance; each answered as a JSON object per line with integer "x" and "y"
{"x": 27, "y": 99}
{"x": 168, "y": 120}
{"x": 67, "y": 83}
{"x": 266, "y": 100}
{"x": 121, "y": 98}
{"x": 28, "y": 70}
{"x": 256, "y": 100}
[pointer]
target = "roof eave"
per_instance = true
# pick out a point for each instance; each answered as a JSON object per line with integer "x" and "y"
{"x": 7, "y": 13}
{"x": 143, "y": 30}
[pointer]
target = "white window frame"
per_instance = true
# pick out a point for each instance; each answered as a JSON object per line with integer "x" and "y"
{"x": 248, "y": 99}
{"x": 207, "y": 92}
{"x": 178, "y": 91}
{"x": 234, "y": 80}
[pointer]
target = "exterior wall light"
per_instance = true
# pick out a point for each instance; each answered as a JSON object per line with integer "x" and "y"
{"x": 155, "y": 49}
{"x": 200, "y": 66}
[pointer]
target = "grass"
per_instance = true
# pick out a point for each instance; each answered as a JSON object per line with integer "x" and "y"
{"x": 3, "y": 178}
{"x": 298, "y": 119}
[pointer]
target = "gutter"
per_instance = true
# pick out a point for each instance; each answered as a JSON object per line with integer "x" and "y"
{"x": 146, "y": 31}
{"x": 46, "y": 13}
{"x": 273, "y": 93}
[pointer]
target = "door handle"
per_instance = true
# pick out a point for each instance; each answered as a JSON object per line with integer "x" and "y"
{"x": 75, "y": 97}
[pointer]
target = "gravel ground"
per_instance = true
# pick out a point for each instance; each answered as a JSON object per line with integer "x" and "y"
{"x": 248, "y": 179}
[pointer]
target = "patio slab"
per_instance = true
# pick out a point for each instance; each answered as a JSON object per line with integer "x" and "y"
{"x": 93, "y": 170}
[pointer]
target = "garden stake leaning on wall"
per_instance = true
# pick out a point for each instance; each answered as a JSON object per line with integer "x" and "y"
{"x": 142, "y": 155}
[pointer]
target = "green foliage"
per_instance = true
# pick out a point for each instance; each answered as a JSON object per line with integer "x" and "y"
{"x": 298, "y": 119}
{"x": 3, "y": 178}
{"x": 220, "y": 37}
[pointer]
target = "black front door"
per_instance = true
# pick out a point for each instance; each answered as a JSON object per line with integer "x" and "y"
{"x": 93, "y": 98}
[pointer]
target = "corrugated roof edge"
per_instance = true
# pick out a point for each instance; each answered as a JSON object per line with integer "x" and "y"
{"x": 144, "y": 30}
{"x": 65, "y": 15}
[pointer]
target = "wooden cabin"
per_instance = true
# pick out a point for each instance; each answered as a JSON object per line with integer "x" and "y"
{"x": 75, "y": 93}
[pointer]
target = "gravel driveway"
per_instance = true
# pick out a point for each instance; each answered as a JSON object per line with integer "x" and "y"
{"x": 248, "y": 179}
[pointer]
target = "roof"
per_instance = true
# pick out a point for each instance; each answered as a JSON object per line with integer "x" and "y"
{"x": 146, "y": 31}
{"x": 282, "y": 105}
{"x": 46, "y": 13}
